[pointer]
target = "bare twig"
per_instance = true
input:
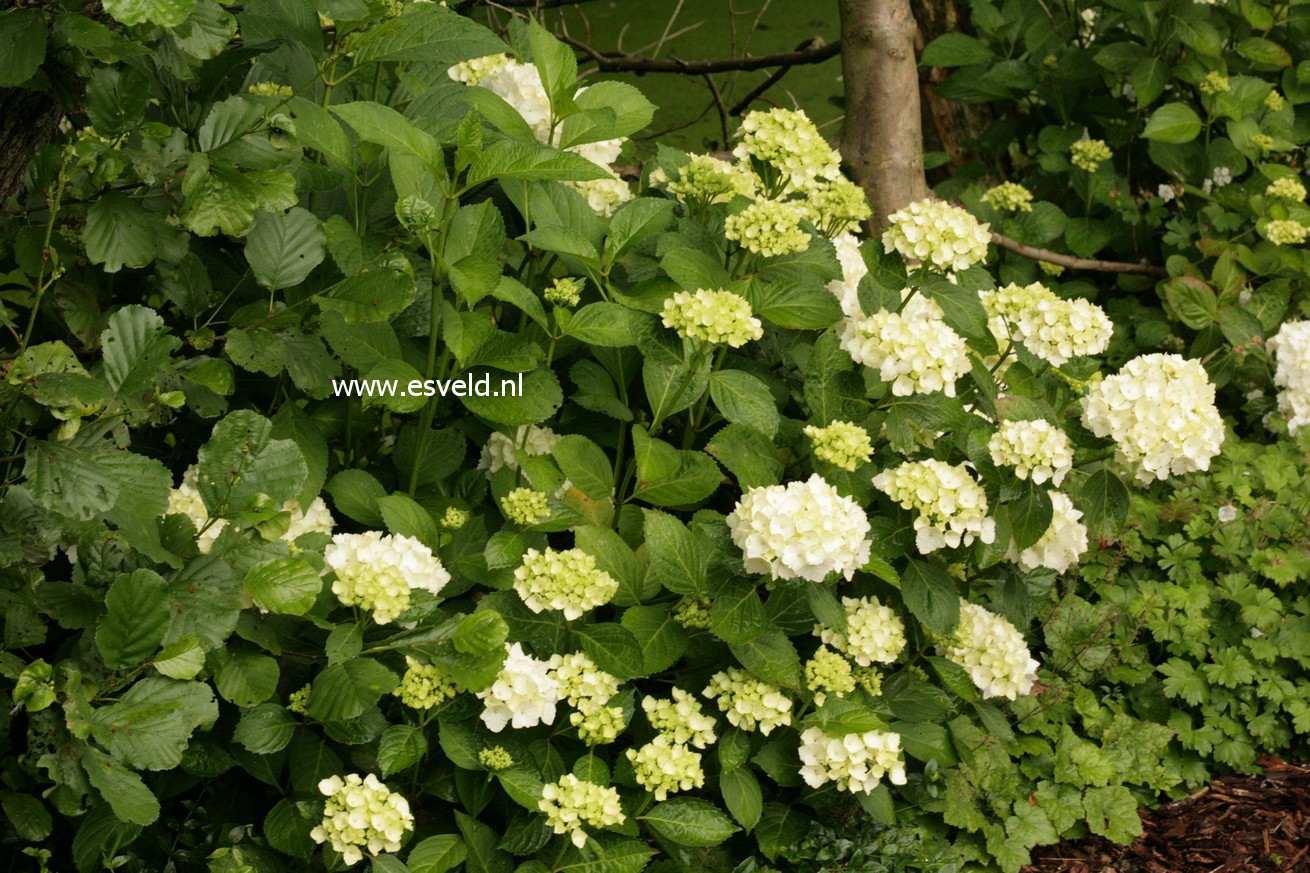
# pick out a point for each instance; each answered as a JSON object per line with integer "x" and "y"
{"x": 614, "y": 62}
{"x": 723, "y": 110}
{"x": 744, "y": 103}
{"x": 1050, "y": 257}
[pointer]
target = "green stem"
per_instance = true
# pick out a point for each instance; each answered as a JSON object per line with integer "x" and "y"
{"x": 436, "y": 256}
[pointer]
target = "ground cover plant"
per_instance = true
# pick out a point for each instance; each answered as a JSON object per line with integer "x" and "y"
{"x": 812, "y": 535}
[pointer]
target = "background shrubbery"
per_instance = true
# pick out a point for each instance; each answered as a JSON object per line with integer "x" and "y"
{"x": 248, "y": 202}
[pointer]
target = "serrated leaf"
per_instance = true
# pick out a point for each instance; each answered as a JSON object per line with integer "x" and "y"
{"x": 689, "y": 822}
{"x": 265, "y": 729}
{"x": 284, "y": 585}
{"x": 284, "y": 248}
{"x": 401, "y": 746}
{"x": 135, "y": 620}
{"x": 344, "y": 691}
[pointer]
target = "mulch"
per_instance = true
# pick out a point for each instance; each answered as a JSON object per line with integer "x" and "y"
{"x": 1237, "y": 824}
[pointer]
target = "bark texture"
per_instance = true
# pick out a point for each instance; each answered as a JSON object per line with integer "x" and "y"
{"x": 28, "y": 120}
{"x": 882, "y": 138}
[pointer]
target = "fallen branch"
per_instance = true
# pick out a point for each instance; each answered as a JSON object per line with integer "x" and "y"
{"x": 1050, "y": 257}
{"x": 618, "y": 62}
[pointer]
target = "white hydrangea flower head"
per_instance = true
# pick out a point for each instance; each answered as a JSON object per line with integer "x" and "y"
{"x": 1009, "y": 197}
{"x": 790, "y": 142}
{"x": 580, "y": 681}
{"x": 524, "y": 694}
{"x": 1061, "y": 546}
{"x": 568, "y": 581}
{"x": 1288, "y": 188}
{"x": 768, "y": 228}
{"x": 525, "y": 506}
{"x": 992, "y": 652}
{"x": 664, "y": 767}
{"x": 597, "y": 725}
{"x": 843, "y": 444}
{"x": 712, "y": 316}
{"x": 801, "y": 530}
{"x": 945, "y": 237}
{"x": 706, "y": 179}
{"x": 951, "y": 508}
{"x": 1051, "y": 327}
{"x": 1291, "y": 350}
{"x": 680, "y": 718}
{"x": 425, "y": 685}
{"x": 316, "y": 519}
{"x": 827, "y": 672}
{"x": 572, "y": 804}
{"x": 1286, "y": 232}
{"x": 185, "y": 500}
{"x": 1037, "y": 450}
{"x": 854, "y": 762}
{"x": 853, "y": 269}
{"x": 377, "y": 571}
{"x": 1160, "y": 412}
{"x": 500, "y": 449}
{"x": 836, "y": 207}
{"x": 361, "y": 815}
{"x": 747, "y": 702}
{"x": 472, "y": 72}
{"x": 874, "y": 633}
{"x": 604, "y": 195}
{"x": 914, "y": 349}
{"x": 520, "y": 86}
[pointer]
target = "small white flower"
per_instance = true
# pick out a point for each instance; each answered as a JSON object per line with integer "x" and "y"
{"x": 1035, "y": 449}
{"x": 1227, "y": 513}
{"x": 572, "y": 803}
{"x": 1166, "y": 192}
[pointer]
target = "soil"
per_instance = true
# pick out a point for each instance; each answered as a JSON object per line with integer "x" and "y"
{"x": 1237, "y": 824}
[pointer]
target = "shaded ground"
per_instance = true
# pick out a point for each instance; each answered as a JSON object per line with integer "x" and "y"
{"x": 1238, "y": 824}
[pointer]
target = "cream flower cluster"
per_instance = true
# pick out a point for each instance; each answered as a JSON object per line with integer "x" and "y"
{"x": 316, "y": 519}
{"x": 1286, "y": 232}
{"x": 572, "y": 804}
{"x": 951, "y": 507}
{"x": 874, "y": 633}
{"x": 747, "y": 702}
{"x": 853, "y": 269}
{"x": 1288, "y": 188}
{"x": 597, "y": 724}
{"x": 1009, "y": 197}
{"x": 843, "y": 444}
{"x": 1291, "y": 351}
{"x": 472, "y": 72}
{"x": 915, "y": 350}
{"x": 568, "y": 581}
{"x": 1035, "y": 449}
{"x": 712, "y": 316}
{"x": 1088, "y": 154}
{"x": 565, "y": 292}
{"x": 603, "y": 195}
{"x": 836, "y": 207}
{"x": 789, "y": 141}
{"x": 768, "y": 228}
{"x": 663, "y": 767}
{"x": 377, "y": 571}
{"x": 185, "y": 500}
{"x": 525, "y": 507}
{"x": 992, "y": 652}
{"x": 496, "y": 758}
{"x": 943, "y": 236}
{"x": 1051, "y": 327}
{"x": 454, "y": 518}
{"x": 1160, "y": 412}
{"x": 500, "y": 449}
{"x": 425, "y": 685}
{"x": 827, "y": 672}
{"x": 680, "y": 718}
{"x": 693, "y": 613}
{"x": 1063, "y": 543}
{"x": 801, "y": 530}
{"x": 580, "y": 681}
{"x": 524, "y": 694}
{"x": 706, "y": 179}
{"x": 361, "y": 814}
{"x": 855, "y": 762}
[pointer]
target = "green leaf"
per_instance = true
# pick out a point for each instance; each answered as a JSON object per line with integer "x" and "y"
{"x": 481, "y": 843}
{"x": 217, "y": 198}
{"x": 1192, "y": 301}
{"x": 136, "y": 346}
{"x": 27, "y": 814}
{"x": 679, "y": 557}
{"x": 931, "y": 596}
{"x": 265, "y": 729}
{"x": 1112, "y": 813}
{"x": 613, "y": 648}
{"x": 182, "y": 659}
{"x": 437, "y": 854}
{"x": 833, "y": 389}
{"x": 126, "y": 793}
{"x": 288, "y": 586}
{"x": 135, "y": 621}
{"x": 119, "y": 233}
{"x": 541, "y": 396}
{"x": 165, "y": 13}
{"x": 401, "y": 746}
{"x": 374, "y": 295}
{"x": 742, "y": 795}
{"x": 242, "y": 461}
{"x": 690, "y": 822}
{"x": 386, "y": 127}
{"x": 22, "y": 45}
{"x": 789, "y": 304}
{"x": 287, "y": 830}
{"x": 781, "y": 827}
{"x": 744, "y": 399}
{"x": 149, "y": 726}
{"x": 404, "y": 516}
{"x": 482, "y": 633}
{"x": 344, "y": 691}
{"x": 586, "y": 465}
{"x": 736, "y": 614}
{"x": 669, "y": 477}
{"x": 355, "y": 494}
{"x": 771, "y": 657}
{"x": 955, "y": 50}
{"x": 608, "y": 325}
{"x": 531, "y": 161}
{"x": 425, "y": 34}
{"x": 1173, "y": 123}
{"x": 661, "y": 638}
{"x": 1030, "y": 516}
{"x": 284, "y": 248}
{"x": 246, "y": 678}
{"x": 839, "y": 716}
{"x": 604, "y": 853}
{"x": 633, "y": 222}
{"x": 1103, "y": 498}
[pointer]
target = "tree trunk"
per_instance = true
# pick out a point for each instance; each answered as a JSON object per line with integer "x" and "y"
{"x": 28, "y": 120}
{"x": 882, "y": 137}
